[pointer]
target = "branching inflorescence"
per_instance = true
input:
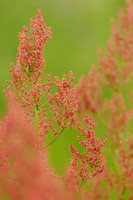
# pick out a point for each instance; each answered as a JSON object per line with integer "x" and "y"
{"x": 91, "y": 162}
{"x": 27, "y": 82}
{"x": 37, "y": 109}
{"x": 110, "y": 87}
{"x": 43, "y": 111}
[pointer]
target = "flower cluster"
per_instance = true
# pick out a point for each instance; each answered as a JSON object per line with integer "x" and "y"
{"x": 31, "y": 90}
{"x": 117, "y": 66}
{"x": 107, "y": 91}
{"x": 90, "y": 97}
{"x": 89, "y": 164}
{"x": 26, "y": 75}
{"x": 63, "y": 103}
{"x": 115, "y": 113}
{"x": 121, "y": 177}
{"x": 35, "y": 110}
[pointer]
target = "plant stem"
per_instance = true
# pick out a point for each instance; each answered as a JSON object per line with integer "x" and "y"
{"x": 81, "y": 184}
{"x": 36, "y": 116}
{"x": 52, "y": 141}
{"x": 36, "y": 78}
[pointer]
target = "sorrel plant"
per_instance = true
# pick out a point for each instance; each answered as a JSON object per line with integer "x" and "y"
{"x": 37, "y": 110}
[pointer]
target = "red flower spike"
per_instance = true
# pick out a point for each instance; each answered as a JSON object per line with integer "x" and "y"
{"x": 91, "y": 162}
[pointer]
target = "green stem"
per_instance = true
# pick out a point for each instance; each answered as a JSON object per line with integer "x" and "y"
{"x": 81, "y": 184}
{"x": 123, "y": 193}
{"x": 45, "y": 103}
{"x": 52, "y": 141}
{"x": 27, "y": 73}
{"x": 36, "y": 120}
{"x": 36, "y": 116}
{"x": 36, "y": 78}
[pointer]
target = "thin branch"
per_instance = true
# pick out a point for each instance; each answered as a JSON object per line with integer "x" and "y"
{"x": 52, "y": 141}
{"x": 81, "y": 184}
{"x": 36, "y": 78}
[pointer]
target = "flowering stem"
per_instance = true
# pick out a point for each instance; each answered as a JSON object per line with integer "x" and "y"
{"x": 36, "y": 120}
{"x": 45, "y": 103}
{"x": 36, "y": 78}
{"x": 36, "y": 115}
{"x": 27, "y": 73}
{"x": 123, "y": 193}
{"x": 84, "y": 180}
{"x": 51, "y": 142}
{"x": 47, "y": 145}
{"x": 81, "y": 184}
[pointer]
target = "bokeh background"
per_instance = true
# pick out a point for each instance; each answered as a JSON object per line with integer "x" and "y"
{"x": 79, "y": 27}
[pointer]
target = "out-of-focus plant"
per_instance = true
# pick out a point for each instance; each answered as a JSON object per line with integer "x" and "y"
{"x": 107, "y": 91}
{"x": 24, "y": 172}
{"x": 107, "y": 94}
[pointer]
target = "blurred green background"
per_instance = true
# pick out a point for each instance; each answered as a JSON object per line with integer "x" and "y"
{"x": 78, "y": 29}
